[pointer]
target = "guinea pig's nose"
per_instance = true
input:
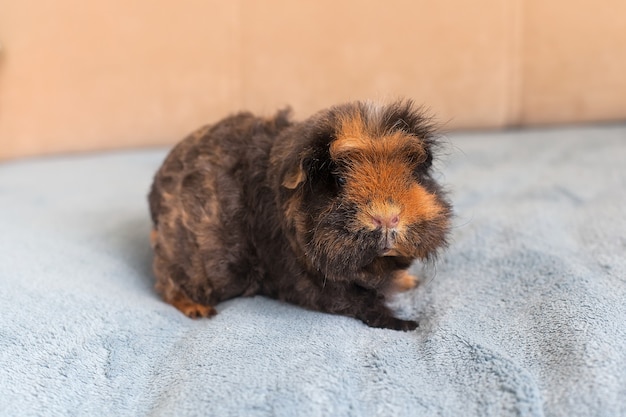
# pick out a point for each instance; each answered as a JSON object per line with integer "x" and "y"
{"x": 390, "y": 221}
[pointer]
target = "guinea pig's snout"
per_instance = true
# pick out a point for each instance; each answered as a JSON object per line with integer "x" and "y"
{"x": 386, "y": 223}
{"x": 387, "y": 220}
{"x": 388, "y": 240}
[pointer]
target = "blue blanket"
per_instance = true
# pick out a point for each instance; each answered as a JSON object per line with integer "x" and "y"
{"x": 525, "y": 315}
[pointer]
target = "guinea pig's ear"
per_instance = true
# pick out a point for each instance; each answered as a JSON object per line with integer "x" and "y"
{"x": 301, "y": 149}
{"x": 296, "y": 167}
{"x": 294, "y": 176}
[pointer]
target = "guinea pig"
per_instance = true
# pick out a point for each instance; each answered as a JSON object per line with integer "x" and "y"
{"x": 328, "y": 213}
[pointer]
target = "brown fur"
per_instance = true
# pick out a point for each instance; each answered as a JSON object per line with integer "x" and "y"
{"x": 327, "y": 213}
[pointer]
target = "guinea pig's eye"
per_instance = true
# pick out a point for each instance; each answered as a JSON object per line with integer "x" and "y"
{"x": 340, "y": 180}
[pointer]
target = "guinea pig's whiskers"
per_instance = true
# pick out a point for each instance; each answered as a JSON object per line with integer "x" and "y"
{"x": 458, "y": 226}
{"x": 431, "y": 266}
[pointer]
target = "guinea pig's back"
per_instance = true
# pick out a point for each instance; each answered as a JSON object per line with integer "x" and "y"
{"x": 203, "y": 177}
{"x": 190, "y": 171}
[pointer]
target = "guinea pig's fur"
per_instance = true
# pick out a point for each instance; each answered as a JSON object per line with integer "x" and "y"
{"x": 328, "y": 213}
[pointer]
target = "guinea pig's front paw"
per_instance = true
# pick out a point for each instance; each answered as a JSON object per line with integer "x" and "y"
{"x": 404, "y": 281}
{"x": 393, "y": 323}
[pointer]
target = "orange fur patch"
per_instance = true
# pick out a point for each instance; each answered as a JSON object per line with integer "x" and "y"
{"x": 354, "y": 137}
{"x": 193, "y": 310}
{"x": 404, "y": 281}
{"x": 421, "y": 205}
{"x": 351, "y": 136}
{"x": 386, "y": 188}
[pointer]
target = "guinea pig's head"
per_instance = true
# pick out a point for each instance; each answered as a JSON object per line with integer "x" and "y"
{"x": 355, "y": 185}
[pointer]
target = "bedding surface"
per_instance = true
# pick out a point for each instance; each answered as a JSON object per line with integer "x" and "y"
{"x": 524, "y": 315}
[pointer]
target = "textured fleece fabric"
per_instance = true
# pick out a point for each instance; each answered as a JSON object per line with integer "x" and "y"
{"x": 524, "y": 315}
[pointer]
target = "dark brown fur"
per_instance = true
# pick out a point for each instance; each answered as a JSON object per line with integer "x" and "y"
{"x": 328, "y": 213}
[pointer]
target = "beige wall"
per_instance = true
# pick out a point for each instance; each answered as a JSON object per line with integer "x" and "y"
{"x": 574, "y": 61}
{"x": 77, "y": 75}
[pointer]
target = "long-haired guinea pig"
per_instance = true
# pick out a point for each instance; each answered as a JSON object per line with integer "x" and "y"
{"x": 327, "y": 213}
